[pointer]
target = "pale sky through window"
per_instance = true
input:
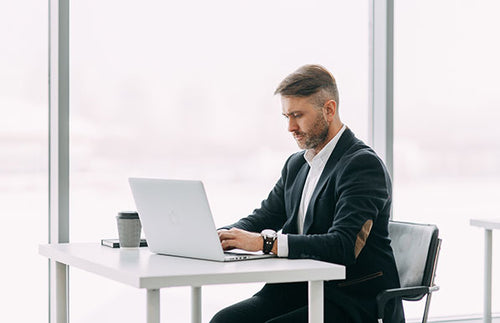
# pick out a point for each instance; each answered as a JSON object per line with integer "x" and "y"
{"x": 185, "y": 90}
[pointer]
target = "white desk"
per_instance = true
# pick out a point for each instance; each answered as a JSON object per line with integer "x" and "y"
{"x": 489, "y": 225}
{"x": 142, "y": 269}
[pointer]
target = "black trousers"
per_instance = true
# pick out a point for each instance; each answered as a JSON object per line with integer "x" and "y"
{"x": 277, "y": 303}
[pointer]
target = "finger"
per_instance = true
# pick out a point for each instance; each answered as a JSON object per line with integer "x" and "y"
{"x": 221, "y": 231}
{"x": 226, "y": 235}
{"x": 228, "y": 244}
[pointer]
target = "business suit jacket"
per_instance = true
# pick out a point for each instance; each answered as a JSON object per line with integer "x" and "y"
{"x": 346, "y": 223}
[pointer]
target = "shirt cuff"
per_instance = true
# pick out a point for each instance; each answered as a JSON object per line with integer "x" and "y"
{"x": 282, "y": 245}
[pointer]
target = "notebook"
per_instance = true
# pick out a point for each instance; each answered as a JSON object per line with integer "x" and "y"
{"x": 177, "y": 221}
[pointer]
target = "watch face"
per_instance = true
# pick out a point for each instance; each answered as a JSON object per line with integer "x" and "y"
{"x": 268, "y": 233}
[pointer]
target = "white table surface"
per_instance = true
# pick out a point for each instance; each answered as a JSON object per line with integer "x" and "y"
{"x": 491, "y": 224}
{"x": 142, "y": 269}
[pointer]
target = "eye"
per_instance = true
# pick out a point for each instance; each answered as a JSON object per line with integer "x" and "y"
{"x": 293, "y": 115}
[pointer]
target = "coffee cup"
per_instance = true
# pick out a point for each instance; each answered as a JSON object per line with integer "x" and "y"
{"x": 129, "y": 229}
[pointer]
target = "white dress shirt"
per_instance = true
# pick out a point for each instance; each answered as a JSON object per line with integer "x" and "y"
{"x": 317, "y": 165}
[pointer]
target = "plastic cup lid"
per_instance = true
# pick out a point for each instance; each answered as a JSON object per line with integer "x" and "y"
{"x": 128, "y": 215}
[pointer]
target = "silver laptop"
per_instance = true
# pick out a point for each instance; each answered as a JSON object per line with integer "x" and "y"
{"x": 177, "y": 221}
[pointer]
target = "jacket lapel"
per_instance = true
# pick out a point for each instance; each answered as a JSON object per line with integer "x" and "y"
{"x": 295, "y": 197}
{"x": 343, "y": 144}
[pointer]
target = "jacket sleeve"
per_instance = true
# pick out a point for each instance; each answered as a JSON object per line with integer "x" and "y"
{"x": 271, "y": 214}
{"x": 362, "y": 191}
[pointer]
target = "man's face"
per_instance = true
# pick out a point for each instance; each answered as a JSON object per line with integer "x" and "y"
{"x": 306, "y": 122}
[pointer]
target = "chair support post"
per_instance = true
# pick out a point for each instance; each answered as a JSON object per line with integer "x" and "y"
{"x": 426, "y": 309}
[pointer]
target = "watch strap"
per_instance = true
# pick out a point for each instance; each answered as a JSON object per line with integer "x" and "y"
{"x": 268, "y": 243}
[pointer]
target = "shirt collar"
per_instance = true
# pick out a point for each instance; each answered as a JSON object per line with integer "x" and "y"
{"x": 324, "y": 153}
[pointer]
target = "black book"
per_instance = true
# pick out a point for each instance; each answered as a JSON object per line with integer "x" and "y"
{"x": 115, "y": 243}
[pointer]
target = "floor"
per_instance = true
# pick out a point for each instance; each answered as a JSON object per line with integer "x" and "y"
{"x": 496, "y": 319}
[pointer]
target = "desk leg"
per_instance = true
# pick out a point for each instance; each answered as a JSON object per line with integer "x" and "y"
{"x": 58, "y": 292}
{"x": 195, "y": 304}
{"x": 153, "y": 306}
{"x": 487, "y": 274}
{"x": 316, "y": 301}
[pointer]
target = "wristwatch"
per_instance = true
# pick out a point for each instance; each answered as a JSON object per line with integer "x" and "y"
{"x": 269, "y": 236}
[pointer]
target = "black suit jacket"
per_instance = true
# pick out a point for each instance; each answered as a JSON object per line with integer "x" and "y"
{"x": 346, "y": 223}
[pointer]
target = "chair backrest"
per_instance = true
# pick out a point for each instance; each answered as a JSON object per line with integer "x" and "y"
{"x": 416, "y": 248}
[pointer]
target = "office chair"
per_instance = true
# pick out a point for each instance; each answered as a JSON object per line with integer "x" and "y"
{"x": 416, "y": 249}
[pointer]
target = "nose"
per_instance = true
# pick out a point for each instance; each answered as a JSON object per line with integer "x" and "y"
{"x": 292, "y": 125}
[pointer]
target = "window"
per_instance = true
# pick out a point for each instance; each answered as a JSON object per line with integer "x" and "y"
{"x": 446, "y": 138}
{"x": 23, "y": 161}
{"x": 186, "y": 91}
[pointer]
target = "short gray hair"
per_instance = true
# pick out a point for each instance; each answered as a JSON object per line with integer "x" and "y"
{"x": 309, "y": 80}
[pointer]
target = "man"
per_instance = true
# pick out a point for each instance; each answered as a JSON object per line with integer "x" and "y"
{"x": 332, "y": 203}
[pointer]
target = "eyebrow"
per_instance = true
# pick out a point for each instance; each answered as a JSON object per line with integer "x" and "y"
{"x": 291, "y": 113}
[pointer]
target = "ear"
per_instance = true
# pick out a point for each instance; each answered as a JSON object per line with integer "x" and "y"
{"x": 329, "y": 110}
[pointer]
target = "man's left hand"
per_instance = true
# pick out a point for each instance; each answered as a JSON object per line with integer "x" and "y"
{"x": 240, "y": 239}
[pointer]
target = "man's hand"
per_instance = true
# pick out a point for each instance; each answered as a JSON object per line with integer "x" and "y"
{"x": 240, "y": 239}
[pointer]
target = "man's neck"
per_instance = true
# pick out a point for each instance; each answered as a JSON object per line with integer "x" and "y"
{"x": 332, "y": 132}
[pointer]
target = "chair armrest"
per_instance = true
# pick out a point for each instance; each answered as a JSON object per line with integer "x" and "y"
{"x": 384, "y": 296}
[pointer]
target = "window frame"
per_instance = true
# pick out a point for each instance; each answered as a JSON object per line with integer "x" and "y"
{"x": 380, "y": 125}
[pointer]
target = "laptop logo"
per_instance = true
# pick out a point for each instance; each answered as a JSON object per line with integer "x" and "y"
{"x": 173, "y": 217}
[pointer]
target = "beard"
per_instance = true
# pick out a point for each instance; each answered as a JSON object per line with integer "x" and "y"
{"x": 316, "y": 136}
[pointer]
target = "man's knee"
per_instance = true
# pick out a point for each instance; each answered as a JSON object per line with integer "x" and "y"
{"x": 247, "y": 311}
{"x": 235, "y": 313}
{"x": 223, "y": 316}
